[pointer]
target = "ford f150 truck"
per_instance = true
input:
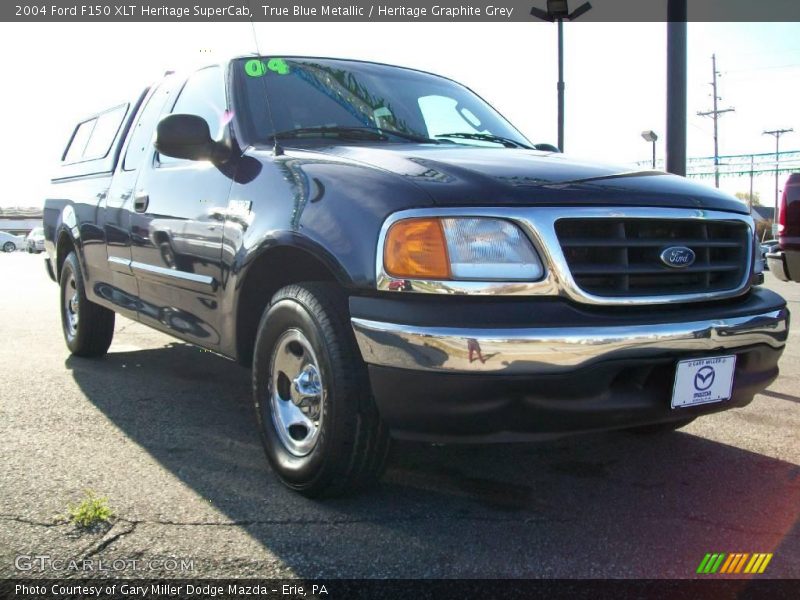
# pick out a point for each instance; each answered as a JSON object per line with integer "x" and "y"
{"x": 393, "y": 258}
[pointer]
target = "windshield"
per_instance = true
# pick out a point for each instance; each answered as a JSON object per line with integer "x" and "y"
{"x": 337, "y": 97}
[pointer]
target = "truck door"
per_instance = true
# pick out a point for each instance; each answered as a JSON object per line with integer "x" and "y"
{"x": 177, "y": 225}
{"x": 122, "y": 289}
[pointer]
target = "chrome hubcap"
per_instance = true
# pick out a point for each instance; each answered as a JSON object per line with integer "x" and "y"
{"x": 296, "y": 393}
{"x": 71, "y": 301}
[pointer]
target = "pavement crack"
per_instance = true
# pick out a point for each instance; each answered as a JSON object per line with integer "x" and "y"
{"x": 120, "y": 528}
{"x": 53, "y": 523}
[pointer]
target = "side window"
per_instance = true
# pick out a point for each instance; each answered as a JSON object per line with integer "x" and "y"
{"x": 105, "y": 130}
{"x": 93, "y": 138}
{"x": 202, "y": 95}
{"x": 79, "y": 140}
{"x": 140, "y": 144}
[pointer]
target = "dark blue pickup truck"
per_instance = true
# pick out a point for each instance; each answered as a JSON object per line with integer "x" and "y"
{"x": 393, "y": 258}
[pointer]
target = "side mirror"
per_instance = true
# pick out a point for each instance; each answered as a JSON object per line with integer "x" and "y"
{"x": 185, "y": 136}
{"x": 546, "y": 147}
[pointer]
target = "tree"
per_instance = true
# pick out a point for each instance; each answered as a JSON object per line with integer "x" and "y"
{"x": 755, "y": 201}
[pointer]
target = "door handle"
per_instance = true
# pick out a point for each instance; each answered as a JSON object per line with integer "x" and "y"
{"x": 140, "y": 202}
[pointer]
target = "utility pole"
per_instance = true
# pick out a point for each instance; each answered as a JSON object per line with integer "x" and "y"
{"x": 777, "y": 133}
{"x": 715, "y": 113}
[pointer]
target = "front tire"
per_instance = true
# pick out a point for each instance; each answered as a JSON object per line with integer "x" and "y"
{"x": 88, "y": 327}
{"x": 318, "y": 423}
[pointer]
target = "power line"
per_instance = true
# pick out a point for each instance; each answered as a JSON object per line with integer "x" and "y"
{"x": 741, "y": 165}
{"x": 761, "y": 68}
{"x": 715, "y": 113}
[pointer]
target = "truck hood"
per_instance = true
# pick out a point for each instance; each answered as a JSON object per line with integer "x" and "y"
{"x": 470, "y": 175}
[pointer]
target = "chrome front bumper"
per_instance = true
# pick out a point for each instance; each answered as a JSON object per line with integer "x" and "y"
{"x": 784, "y": 265}
{"x": 552, "y": 350}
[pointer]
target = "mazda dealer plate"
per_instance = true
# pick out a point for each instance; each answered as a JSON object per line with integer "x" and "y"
{"x": 703, "y": 380}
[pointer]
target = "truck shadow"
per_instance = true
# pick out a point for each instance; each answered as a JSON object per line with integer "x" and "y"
{"x": 646, "y": 506}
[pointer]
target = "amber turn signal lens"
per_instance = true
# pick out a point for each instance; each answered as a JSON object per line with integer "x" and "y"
{"x": 416, "y": 249}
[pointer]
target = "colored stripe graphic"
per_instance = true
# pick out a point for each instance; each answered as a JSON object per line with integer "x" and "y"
{"x": 734, "y": 563}
{"x": 727, "y": 564}
{"x": 759, "y": 563}
{"x": 731, "y": 563}
{"x": 703, "y": 563}
{"x": 765, "y": 563}
{"x": 718, "y": 563}
{"x": 754, "y": 563}
{"x": 711, "y": 563}
{"x": 742, "y": 562}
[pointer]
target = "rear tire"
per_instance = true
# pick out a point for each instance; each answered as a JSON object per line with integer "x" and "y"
{"x": 658, "y": 428}
{"x": 88, "y": 327}
{"x": 9, "y": 247}
{"x": 318, "y": 423}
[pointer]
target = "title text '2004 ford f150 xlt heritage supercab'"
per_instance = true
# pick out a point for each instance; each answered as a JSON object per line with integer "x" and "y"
{"x": 393, "y": 258}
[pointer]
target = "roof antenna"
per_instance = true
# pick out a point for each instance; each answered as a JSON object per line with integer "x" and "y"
{"x": 277, "y": 149}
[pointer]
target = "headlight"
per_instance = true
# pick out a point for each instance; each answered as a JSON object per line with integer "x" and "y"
{"x": 463, "y": 248}
{"x": 758, "y": 258}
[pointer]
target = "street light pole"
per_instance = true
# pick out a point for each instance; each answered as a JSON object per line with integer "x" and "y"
{"x": 557, "y": 11}
{"x": 650, "y": 136}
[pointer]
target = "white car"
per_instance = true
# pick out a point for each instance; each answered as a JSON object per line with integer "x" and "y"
{"x": 10, "y": 243}
{"x": 34, "y": 243}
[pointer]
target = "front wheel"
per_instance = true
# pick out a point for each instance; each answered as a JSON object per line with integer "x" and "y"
{"x": 88, "y": 327}
{"x": 319, "y": 425}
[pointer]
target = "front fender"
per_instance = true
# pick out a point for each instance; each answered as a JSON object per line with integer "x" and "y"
{"x": 62, "y": 234}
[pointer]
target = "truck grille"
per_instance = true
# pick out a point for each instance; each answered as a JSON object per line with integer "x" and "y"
{"x": 621, "y": 257}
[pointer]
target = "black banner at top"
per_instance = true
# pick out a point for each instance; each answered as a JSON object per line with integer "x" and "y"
{"x": 389, "y": 10}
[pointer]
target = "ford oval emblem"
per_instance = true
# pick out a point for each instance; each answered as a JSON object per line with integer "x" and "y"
{"x": 678, "y": 257}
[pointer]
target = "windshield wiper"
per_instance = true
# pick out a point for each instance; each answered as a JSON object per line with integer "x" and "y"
{"x": 487, "y": 137}
{"x": 353, "y": 132}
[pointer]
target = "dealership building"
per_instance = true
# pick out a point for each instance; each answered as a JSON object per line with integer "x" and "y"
{"x": 20, "y": 221}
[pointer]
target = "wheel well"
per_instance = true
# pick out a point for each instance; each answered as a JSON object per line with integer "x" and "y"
{"x": 63, "y": 248}
{"x": 270, "y": 272}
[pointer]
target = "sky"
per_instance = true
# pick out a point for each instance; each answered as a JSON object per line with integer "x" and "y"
{"x": 615, "y": 74}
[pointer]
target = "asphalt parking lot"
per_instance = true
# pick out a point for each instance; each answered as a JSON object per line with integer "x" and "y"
{"x": 165, "y": 431}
